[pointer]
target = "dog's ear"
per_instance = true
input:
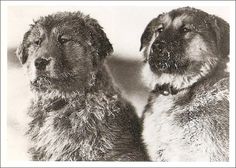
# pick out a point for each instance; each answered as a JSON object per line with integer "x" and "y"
{"x": 147, "y": 34}
{"x": 99, "y": 39}
{"x": 21, "y": 52}
{"x": 221, "y": 29}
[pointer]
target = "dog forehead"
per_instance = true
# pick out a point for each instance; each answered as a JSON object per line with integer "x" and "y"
{"x": 166, "y": 20}
{"x": 55, "y": 30}
{"x": 181, "y": 20}
{"x": 176, "y": 22}
{"x": 36, "y": 31}
{"x": 60, "y": 22}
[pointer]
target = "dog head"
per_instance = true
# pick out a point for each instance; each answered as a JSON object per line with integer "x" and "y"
{"x": 184, "y": 45}
{"x": 61, "y": 51}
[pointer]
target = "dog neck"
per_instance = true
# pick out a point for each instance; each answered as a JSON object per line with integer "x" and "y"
{"x": 173, "y": 83}
{"x": 103, "y": 82}
{"x": 170, "y": 88}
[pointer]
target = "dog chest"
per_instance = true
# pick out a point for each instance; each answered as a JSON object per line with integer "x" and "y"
{"x": 161, "y": 133}
{"x": 69, "y": 133}
{"x": 163, "y": 104}
{"x": 153, "y": 121}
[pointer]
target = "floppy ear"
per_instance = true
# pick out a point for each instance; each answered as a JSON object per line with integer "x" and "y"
{"x": 21, "y": 51}
{"x": 221, "y": 28}
{"x": 99, "y": 39}
{"x": 20, "y": 55}
{"x": 147, "y": 34}
{"x": 149, "y": 31}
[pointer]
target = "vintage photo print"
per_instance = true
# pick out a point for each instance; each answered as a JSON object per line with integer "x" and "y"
{"x": 118, "y": 83}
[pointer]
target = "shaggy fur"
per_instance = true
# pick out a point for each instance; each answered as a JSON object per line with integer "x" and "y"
{"x": 77, "y": 113}
{"x": 187, "y": 114}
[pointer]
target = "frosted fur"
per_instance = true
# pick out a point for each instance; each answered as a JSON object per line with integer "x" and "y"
{"x": 187, "y": 133}
{"x": 188, "y": 58}
{"x": 77, "y": 114}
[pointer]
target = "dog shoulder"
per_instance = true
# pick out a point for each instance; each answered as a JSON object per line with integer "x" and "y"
{"x": 208, "y": 116}
{"x": 218, "y": 92}
{"x": 210, "y": 101}
{"x": 202, "y": 121}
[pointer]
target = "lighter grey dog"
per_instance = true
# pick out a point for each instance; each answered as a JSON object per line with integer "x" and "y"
{"x": 187, "y": 114}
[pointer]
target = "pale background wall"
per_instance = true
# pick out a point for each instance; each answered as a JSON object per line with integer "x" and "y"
{"x": 123, "y": 26}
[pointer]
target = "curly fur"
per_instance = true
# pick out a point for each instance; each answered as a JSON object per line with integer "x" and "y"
{"x": 77, "y": 113}
{"x": 192, "y": 124}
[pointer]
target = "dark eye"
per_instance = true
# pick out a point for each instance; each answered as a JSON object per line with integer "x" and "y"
{"x": 185, "y": 30}
{"x": 160, "y": 29}
{"x": 63, "y": 39}
{"x": 37, "y": 41}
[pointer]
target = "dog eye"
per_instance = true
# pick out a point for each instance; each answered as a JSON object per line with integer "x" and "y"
{"x": 63, "y": 39}
{"x": 37, "y": 41}
{"x": 185, "y": 30}
{"x": 160, "y": 29}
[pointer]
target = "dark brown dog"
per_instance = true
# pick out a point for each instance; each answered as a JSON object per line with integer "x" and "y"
{"x": 76, "y": 112}
{"x": 187, "y": 115}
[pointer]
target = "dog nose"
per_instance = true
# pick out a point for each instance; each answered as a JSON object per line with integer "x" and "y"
{"x": 159, "y": 45}
{"x": 41, "y": 63}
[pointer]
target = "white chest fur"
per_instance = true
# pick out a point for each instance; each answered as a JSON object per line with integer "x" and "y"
{"x": 153, "y": 125}
{"x": 164, "y": 138}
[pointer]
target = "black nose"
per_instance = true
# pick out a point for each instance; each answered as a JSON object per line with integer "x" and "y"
{"x": 41, "y": 63}
{"x": 158, "y": 46}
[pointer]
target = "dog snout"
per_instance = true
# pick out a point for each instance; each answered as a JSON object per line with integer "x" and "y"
{"x": 158, "y": 46}
{"x": 41, "y": 63}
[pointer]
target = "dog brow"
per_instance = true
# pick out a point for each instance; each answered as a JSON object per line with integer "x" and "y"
{"x": 178, "y": 21}
{"x": 166, "y": 19}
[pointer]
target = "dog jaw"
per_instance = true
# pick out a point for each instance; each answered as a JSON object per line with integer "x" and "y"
{"x": 179, "y": 82}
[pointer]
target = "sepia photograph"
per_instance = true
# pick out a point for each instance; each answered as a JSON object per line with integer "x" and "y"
{"x": 118, "y": 83}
